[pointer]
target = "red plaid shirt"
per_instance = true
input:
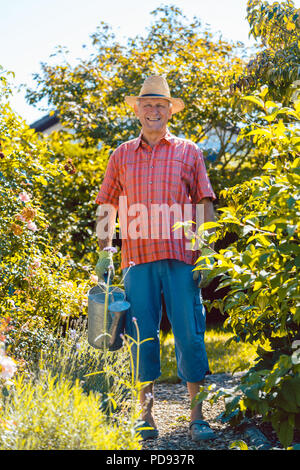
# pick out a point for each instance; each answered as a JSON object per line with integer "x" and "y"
{"x": 173, "y": 172}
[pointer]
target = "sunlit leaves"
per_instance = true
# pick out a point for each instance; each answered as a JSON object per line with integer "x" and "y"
{"x": 277, "y": 27}
{"x": 34, "y": 275}
{"x": 89, "y": 96}
{"x": 262, "y": 268}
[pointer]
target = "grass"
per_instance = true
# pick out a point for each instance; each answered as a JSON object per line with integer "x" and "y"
{"x": 222, "y": 358}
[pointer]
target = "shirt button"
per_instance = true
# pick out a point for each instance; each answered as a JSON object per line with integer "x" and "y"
{"x": 150, "y": 182}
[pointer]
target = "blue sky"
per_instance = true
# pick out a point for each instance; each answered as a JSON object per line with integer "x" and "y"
{"x": 31, "y": 29}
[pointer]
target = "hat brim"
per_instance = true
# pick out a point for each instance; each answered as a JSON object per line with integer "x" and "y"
{"x": 177, "y": 103}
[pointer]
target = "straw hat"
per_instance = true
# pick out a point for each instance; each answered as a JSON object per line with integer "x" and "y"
{"x": 156, "y": 87}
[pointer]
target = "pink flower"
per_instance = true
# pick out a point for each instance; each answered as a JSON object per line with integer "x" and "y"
{"x": 20, "y": 217}
{"x": 94, "y": 278}
{"x": 24, "y": 196}
{"x": 36, "y": 263}
{"x": 32, "y": 226}
{"x": 7, "y": 367}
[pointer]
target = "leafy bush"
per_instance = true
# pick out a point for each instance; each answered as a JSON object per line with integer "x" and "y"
{"x": 35, "y": 277}
{"x": 69, "y": 199}
{"x": 58, "y": 415}
{"x": 276, "y": 64}
{"x": 262, "y": 267}
{"x": 67, "y": 395}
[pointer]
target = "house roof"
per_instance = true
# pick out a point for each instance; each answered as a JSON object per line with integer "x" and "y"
{"x": 44, "y": 123}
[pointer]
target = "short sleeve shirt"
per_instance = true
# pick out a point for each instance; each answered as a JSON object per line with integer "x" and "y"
{"x": 153, "y": 188}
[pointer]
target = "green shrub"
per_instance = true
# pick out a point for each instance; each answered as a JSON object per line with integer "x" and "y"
{"x": 262, "y": 269}
{"x": 51, "y": 414}
{"x": 35, "y": 277}
{"x": 69, "y": 199}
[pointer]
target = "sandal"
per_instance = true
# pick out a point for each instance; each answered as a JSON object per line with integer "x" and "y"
{"x": 146, "y": 431}
{"x": 200, "y": 430}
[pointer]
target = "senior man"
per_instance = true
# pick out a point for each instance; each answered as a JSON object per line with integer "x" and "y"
{"x": 158, "y": 169}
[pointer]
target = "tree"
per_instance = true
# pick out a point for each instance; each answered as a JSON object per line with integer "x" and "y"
{"x": 277, "y": 65}
{"x": 89, "y": 97}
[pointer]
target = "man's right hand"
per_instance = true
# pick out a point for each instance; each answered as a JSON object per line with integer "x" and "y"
{"x": 104, "y": 263}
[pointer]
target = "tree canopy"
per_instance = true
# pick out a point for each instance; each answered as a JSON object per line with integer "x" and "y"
{"x": 89, "y": 97}
{"x": 277, "y": 64}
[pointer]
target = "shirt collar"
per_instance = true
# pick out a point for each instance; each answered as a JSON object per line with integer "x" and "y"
{"x": 167, "y": 138}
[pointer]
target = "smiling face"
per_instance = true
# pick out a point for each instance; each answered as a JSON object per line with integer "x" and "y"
{"x": 153, "y": 114}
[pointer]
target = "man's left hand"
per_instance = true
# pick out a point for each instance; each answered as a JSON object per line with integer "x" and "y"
{"x": 201, "y": 277}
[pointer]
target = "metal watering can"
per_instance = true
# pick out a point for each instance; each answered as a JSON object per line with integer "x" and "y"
{"x": 115, "y": 318}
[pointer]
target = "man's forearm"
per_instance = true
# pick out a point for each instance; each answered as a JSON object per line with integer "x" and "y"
{"x": 105, "y": 225}
{"x": 103, "y": 243}
{"x": 208, "y": 214}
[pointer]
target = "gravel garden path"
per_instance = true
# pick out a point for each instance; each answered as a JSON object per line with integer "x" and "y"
{"x": 172, "y": 411}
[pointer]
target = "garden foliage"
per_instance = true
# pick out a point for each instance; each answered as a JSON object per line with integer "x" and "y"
{"x": 276, "y": 27}
{"x": 47, "y": 189}
{"x": 34, "y": 275}
{"x": 51, "y": 414}
{"x": 262, "y": 267}
{"x": 89, "y": 96}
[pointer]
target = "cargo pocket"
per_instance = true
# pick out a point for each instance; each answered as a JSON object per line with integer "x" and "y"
{"x": 199, "y": 314}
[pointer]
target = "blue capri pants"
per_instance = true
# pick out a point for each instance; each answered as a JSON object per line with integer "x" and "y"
{"x": 143, "y": 285}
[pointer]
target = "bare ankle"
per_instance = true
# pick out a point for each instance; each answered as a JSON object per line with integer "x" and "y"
{"x": 147, "y": 401}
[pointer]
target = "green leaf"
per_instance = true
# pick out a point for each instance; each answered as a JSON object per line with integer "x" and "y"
{"x": 286, "y": 433}
{"x": 253, "y": 99}
{"x": 269, "y": 166}
{"x": 208, "y": 226}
